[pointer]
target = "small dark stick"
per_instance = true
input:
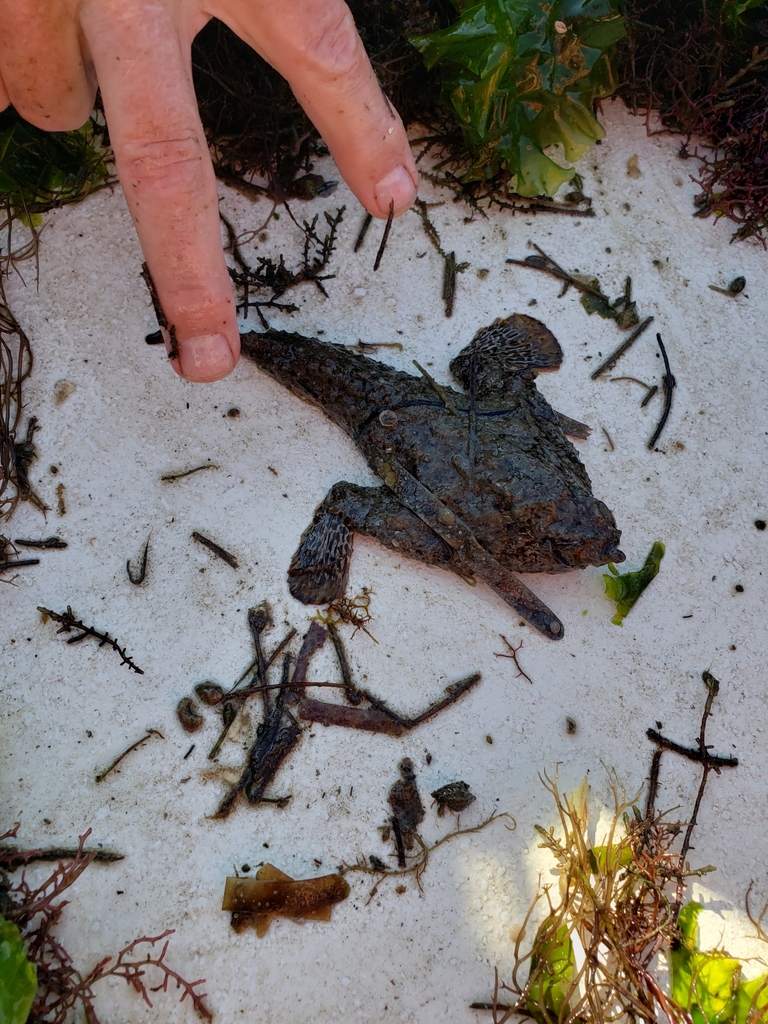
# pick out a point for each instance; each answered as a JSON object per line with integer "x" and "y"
{"x": 668, "y": 383}
{"x": 651, "y": 392}
{"x": 220, "y": 552}
{"x": 134, "y": 746}
{"x": 18, "y": 563}
{"x": 385, "y": 236}
{"x": 187, "y": 472}
{"x": 363, "y": 232}
{"x": 615, "y": 356}
{"x": 691, "y": 753}
{"x": 49, "y": 542}
{"x": 142, "y": 573}
{"x": 449, "y": 283}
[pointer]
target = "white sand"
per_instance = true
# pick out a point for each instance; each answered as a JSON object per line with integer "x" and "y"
{"x": 70, "y": 710}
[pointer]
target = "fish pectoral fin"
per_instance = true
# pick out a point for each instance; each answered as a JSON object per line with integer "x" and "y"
{"x": 319, "y": 569}
{"x": 510, "y": 345}
{"x": 319, "y": 914}
{"x": 571, "y": 427}
{"x": 269, "y": 873}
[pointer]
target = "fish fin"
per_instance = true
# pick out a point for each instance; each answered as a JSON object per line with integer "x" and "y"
{"x": 508, "y": 346}
{"x": 319, "y": 569}
{"x": 269, "y": 873}
{"x": 262, "y": 923}
{"x": 319, "y": 914}
{"x": 573, "y": 428}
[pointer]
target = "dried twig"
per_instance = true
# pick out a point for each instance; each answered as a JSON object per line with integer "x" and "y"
{"x": 385, "y": 236}
{"x": 668, "y": 384}
{"x": 134, "y": 746}
{"x": 220, "y": 552}
{"x": 513, "y": 656}
{"x": 187, "y": 472}
{"x": 610, "y": 361}
{"x": 418, "y": 867}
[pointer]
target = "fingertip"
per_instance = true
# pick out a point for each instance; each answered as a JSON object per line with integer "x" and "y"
{"x": 398, "y": 188}
{"x": 205, "y": 358}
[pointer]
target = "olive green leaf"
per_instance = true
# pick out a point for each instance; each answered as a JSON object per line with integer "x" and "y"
{"x": 552, "y": 967}
{"x": 18, "y": 977}
{"x": 522, "y": 75}
{"x": 625, "y": 588}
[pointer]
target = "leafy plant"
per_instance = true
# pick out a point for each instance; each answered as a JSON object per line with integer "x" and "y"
{"x": 18, "y": 977}
{"x": 626, "y": 588}
{"x": 41, "y": 169}
{"x": 709, "y": 985}
{"x": 43, "y": 976}
{"x": 522, "y": 75}
{"x": 615, "y": 907}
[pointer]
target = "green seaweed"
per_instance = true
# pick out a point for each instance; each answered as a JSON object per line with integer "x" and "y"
{"x": 709, "y": 984}
{"x": 522, "y": 75}
{"x": 18, "y": 977}
{"x": 41, "y": 169}
{"x": 625, "y": 588}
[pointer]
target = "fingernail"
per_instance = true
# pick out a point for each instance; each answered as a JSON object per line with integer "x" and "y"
{"x": 205, "y": 358}
{"x": 398, "y": 187}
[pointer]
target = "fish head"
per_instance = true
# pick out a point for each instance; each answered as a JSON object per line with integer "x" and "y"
{"x": 582, "y": 533}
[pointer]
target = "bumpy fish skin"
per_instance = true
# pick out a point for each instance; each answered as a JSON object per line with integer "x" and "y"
{"x": 497, "y": 458}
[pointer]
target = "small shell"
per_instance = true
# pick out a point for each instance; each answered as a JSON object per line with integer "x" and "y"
{"x": 388, "y": 419}
{"x": 189, "y": 714}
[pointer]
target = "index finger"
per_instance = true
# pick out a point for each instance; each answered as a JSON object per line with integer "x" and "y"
{"x": 162, "y": 159}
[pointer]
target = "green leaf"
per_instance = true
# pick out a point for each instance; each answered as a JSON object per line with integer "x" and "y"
{"x": 605, "y": 858}
{"x": 552, "y": 967}
{"x": 752, "y": 1001}
{"x": 18, "y": 977}
{"x": 708, "y": 985}
{"x": 716, "y": 980}
{"x": 45, "y": 167}
{"x": 518, "y": 83}
{"x": 626, "y": 588}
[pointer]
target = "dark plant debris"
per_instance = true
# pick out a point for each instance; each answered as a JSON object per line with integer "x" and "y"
{"x": 69, "y": 622}
{"x": 128, "y": 750}
{"x": 274, "y": 276}
{"x": 513, "y": 655}
{"x": 622, "y": 902}
{"x": 170, "y": 477}
{"x": 219, "y": 551}
{"x": 138, "y": 578}
{"x": 668, "y": 384}
{"x": 286, "y": 705}
{"x": 49, "y": 542}
{"x": 64, "y": 992}
{"x": 704, "y": 68}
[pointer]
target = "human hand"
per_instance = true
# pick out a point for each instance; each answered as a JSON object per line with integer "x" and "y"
{"x": 54, "y": 54}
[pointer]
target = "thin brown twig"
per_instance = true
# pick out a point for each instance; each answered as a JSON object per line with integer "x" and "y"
{"x": 513, "y": 656}
{"x": 134, "y": 746}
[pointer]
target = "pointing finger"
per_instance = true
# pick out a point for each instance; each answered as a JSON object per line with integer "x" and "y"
{"x": 142, "y": 61}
